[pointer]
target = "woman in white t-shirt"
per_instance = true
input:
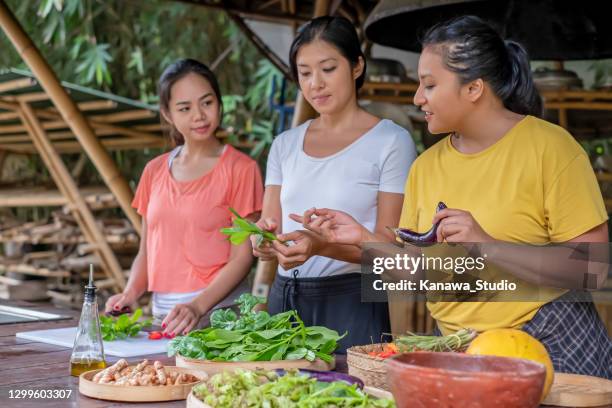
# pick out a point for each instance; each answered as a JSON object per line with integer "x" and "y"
{"x": 346, "y": 158}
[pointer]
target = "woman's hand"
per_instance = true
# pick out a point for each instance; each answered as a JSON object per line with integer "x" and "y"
{"x": 182, "y": 318}
{"x": 118, "y": 302}
{"x": 265, "y": 251}
{"x": 459, "y": 226}
{"x": 334, "y": 226}
{"x": 305, "y": 245}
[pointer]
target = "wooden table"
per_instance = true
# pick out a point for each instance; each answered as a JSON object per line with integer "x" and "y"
{"x": 29, "y": 365}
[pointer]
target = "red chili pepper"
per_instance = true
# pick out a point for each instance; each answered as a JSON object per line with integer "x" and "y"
{"x": 155, "y": 335}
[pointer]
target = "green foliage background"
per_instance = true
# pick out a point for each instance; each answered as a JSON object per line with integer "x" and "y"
{"x": 122, "y": 47}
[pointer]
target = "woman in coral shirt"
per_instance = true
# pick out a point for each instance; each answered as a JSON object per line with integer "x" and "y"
{"x": 184, "y": 198}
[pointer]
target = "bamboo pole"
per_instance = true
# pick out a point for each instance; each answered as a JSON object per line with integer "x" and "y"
{"x": 58, "y": 123}
{"x": 66, "y": 106}
{"x": 28, "y": 97}
{"x": 111, "y": 144}
{"x": 17, "y": 84}
{"x": 69, "y": 189}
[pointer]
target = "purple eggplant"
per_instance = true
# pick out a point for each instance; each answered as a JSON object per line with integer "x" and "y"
{"x": 327, "y": 376}
{"x": 413, "y": 237}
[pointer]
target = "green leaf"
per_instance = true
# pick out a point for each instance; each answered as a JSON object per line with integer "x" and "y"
{"x": 136, "y": 315}
{"x": 238, "y": 238}
{"x": 297, "y": 354}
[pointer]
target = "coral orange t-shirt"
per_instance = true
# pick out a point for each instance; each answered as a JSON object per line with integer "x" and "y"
{"x": 185, "y": 249}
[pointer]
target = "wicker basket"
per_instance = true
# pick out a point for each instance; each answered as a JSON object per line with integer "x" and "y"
{"x": 370, "y": 369}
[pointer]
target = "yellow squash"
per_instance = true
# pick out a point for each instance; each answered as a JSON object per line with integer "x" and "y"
{"x": 514, "y": 343}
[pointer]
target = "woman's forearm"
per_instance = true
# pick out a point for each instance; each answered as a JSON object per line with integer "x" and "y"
{"x": 567, "y": 266}
{"x": 346, "y": 253}
{"x": 138, "y": 280}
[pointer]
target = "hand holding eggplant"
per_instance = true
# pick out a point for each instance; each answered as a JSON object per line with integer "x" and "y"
{"x": 413, "y": 237}
{"x": 459, "y": 226}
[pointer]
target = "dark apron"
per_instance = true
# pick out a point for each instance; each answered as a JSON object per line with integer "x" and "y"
{"x": 333, "y": 302}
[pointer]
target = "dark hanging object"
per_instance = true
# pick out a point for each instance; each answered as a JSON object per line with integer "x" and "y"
{"x": 549, "y": 29}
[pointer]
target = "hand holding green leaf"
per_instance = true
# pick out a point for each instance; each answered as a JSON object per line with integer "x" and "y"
{"x": 242, "y": 229}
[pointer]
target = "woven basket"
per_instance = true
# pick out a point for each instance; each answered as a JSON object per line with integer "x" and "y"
{"x": 371, "y": 370}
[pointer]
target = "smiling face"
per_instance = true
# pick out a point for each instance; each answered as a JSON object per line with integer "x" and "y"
{"x": 444, "y": 100}
{"x": 193, "y": 108}
{"x": 326, "y": 77}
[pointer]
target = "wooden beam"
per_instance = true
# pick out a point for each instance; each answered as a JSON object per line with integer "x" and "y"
{"x": 389, "y": 86}
{"x": 24, "y": 137}
{"x": 75, "y": 147}
{"x": 69, "y": 189}
{"x": 69, "y": 111}
{"x": 84, "y": 106}
{"x": 261, "y": 46}
{"x": 59, "y": 123}
{"x": 124, "y": 116}
{"x": 321, "y": 8}
{"x": 27, "y": 97}
{"x": 579, "y": 105}
{"x": 269, "y": 3}
{"x": 17, "y": 84}
{"x": 42, "y": 197}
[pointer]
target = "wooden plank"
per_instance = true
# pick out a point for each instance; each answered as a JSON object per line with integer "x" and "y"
{"x": 389, "y": 86}
{"x": 124, "y": 116}
{"x": 579, "y": 105}
{"x": 31, "y": 270}
{"x": 75, "y": 147}
{"x": 83, "y": 106}
{"x": 24, "y": 137}
{"x": 17, "y": 84}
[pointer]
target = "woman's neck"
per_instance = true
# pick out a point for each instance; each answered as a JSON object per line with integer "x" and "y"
{"x": 341, "y": 119}
{"x": 483, "y": 129}
{"x": 210, "y": 147}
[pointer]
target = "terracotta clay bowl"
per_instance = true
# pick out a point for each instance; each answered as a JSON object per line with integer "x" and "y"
{"x": 458, "y": 380}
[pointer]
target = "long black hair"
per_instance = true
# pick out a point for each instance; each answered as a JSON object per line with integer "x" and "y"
{"x": 473, "y": 49}
{"x": 336, "y": 31}
{"x": 177, "y": 70}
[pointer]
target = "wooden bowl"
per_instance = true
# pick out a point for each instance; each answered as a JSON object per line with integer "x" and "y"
{"x": 126, "y": 393}
{"x": 213, "y": 367}
{"x": 429, "y": 379}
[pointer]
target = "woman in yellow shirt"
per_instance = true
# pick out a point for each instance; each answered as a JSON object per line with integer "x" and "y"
{"x": 507, "y": 177}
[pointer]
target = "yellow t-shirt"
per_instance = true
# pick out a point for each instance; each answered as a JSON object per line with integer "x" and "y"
{"x": 535, "y": 185}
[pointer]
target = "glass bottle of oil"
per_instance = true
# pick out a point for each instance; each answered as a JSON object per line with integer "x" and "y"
{"x": 88, "y": 349}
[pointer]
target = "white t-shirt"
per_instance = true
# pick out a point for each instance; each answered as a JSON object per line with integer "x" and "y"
{"x": 348, "y": 180}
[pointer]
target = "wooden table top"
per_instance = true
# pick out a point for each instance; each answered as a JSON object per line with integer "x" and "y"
{"x": 29, "y": 365}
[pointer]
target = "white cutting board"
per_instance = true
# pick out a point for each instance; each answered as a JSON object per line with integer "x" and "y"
{"x": 130, "y": 347}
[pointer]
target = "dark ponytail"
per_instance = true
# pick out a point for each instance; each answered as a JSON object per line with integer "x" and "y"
{"x": 521, "y": 95}
{"x": 177, "y": 70}
{"x": 473, "y": 49}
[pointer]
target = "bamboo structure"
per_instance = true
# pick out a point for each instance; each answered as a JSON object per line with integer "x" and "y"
{"x": 69, "y": 189}
{"x": 70, "y": 112}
